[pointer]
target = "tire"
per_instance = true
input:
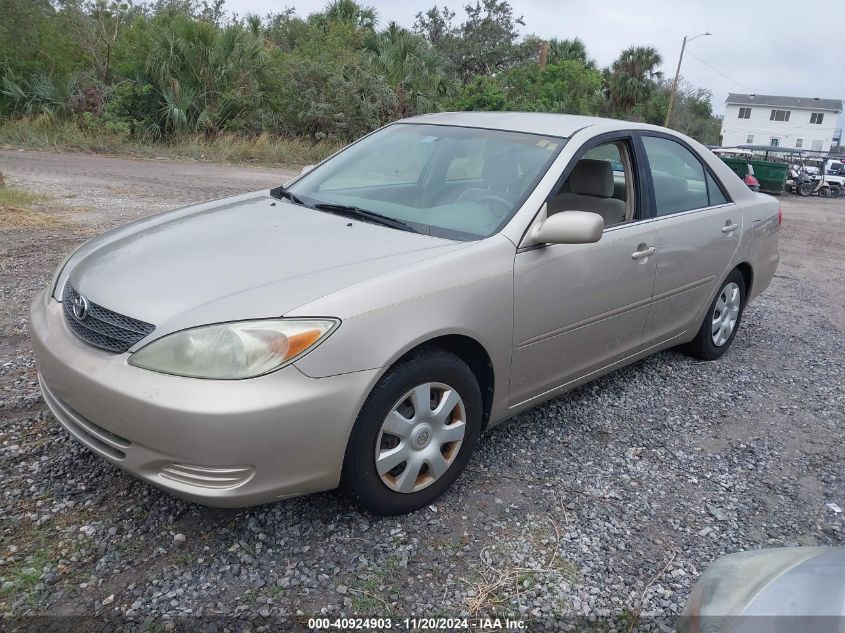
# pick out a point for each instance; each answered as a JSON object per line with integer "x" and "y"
{"x": 835, "y": 192}
{"x": 824, "y": 192}
{"x": 704, "y": 345}
{"x": 805, "y": 189}
{"x": 443, "y": 376}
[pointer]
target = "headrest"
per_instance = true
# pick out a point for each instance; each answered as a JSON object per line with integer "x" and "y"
{"x": 592, "y": 177}
{"x": 500, "y": 171}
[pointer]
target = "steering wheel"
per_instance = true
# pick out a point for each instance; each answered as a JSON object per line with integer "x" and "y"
{"x": 506, "y": 205}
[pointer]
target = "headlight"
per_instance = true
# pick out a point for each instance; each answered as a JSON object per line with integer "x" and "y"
{"x": 243, "y": 349}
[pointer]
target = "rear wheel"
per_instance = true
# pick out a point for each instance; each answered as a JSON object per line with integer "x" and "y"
{"x": 722, "y": 320}
{"x": 805, "y": 189}
{"x": 414, "y": 435}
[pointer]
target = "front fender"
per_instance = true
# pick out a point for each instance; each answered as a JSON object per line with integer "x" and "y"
{"x": 467, "y": 292}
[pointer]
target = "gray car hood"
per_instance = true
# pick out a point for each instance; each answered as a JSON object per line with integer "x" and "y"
{"x": 239, "y": 258}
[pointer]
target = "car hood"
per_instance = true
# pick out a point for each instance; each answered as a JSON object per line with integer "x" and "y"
{"x": 240, "y": 258}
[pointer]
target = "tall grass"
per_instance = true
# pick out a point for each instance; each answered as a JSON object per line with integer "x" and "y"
{"x": 70, "y": 135}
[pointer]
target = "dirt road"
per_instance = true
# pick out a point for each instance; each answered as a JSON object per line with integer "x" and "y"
{"x": 605, "y": 503}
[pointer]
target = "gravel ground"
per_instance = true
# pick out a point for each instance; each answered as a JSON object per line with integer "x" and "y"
{"x": 601, "y": 506}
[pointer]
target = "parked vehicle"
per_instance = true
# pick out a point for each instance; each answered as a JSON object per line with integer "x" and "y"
{"x": 799, "y": 181}
{"x": 829, "y": 186}
{"x": 774, "y": 589}
{"x": 835, "y": 167}
{"x": 361, "y": 326}
{"x": 806, "y": 180}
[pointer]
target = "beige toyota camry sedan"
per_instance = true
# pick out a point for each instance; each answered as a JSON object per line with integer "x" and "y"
{"x": 362, "y": 325}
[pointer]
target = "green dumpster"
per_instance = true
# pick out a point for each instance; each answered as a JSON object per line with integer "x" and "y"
{"x": 769, "y": 174}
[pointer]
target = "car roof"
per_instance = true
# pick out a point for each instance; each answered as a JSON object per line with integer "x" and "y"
{"x": 545, "y": 123}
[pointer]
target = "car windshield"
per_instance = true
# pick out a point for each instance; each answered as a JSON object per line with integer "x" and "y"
{"x": 453, "y": 182}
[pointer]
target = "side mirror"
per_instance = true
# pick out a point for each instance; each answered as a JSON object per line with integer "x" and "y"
{"x": 570, "y": 227}
{"x": 305, "y": 170}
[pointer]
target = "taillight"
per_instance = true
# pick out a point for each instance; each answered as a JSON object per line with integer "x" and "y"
{"x": 780, "y": 216}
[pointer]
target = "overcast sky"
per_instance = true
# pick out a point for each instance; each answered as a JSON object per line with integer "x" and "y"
{"x": 760, "y": 46}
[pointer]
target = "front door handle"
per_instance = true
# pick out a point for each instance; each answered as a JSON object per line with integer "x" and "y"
{"x": 642, "y": 254}
{"x": 730, "y": 227}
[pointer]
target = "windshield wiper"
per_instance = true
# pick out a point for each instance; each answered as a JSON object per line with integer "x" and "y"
{"x": 364, "y": 214}
{"x": 281, "y": 192}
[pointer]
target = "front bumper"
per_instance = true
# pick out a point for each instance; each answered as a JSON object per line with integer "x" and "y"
{"x": 225, "y": 443}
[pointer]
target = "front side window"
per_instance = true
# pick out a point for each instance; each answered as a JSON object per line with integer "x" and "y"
{"x": 453, "y": 182}
{"x": 601, "y": 181}
{"x": 816, "y": 118}
{"x": 678, "y": 176}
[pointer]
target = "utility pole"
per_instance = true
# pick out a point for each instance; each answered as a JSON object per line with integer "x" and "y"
{"x": 677, "y": 75}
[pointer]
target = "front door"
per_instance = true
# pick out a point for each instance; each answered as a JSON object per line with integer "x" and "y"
{"x": 698, "y": 231}
{"x": 581, "y": 307}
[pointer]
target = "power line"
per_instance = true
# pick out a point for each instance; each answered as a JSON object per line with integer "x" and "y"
{"x": 718, "y": 72}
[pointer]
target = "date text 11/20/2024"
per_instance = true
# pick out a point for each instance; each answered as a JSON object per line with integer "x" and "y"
{"x": 416, "y": 624}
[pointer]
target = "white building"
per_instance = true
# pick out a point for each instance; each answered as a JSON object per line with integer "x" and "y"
{"x": 806, "y": 123}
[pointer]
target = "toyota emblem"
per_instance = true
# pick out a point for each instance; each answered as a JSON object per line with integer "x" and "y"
{"x": 80, "y": 308}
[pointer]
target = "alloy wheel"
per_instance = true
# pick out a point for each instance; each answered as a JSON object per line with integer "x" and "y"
{"x": 725, "y": 314}
{"x": 420, "y": 437}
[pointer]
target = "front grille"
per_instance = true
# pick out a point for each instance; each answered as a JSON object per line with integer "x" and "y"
{"x": 103, "y": 328}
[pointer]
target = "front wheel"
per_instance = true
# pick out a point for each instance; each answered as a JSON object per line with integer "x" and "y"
{"x": 414, "y": 435}
{"x": 722, "y": 320}
{"x": 824, "y": 192}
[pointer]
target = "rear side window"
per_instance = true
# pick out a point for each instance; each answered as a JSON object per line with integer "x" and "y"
{"x": 679, "y": 179}
{"x": 713, "y": 191}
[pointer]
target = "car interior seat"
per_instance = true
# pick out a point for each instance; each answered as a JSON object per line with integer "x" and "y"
{"x": 590, "y": 187}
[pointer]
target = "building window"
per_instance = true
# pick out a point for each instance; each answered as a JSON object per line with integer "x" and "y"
{"x": 817, "y": 146}
{"x": 744, "y": 113}
{"x": 779, "y": 115}
{"x": 775, "y": 141}
{"x": 750, "y": 138}
{"x": 816, "y": 118}
{"x": 799, "y": 142}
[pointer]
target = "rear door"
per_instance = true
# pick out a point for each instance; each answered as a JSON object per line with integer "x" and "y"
{"x": 698, "y": 231}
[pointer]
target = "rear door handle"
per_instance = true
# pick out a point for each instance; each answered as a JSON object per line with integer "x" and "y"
{"x": 646, "y": 252}
{"x": 730, "y": 227}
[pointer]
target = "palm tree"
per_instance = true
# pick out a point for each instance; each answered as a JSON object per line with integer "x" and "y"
{"x": 568, "y": 50}
{"x": 632, "y": 76}
{"x": 206, "y": 75}
{"x": 349, "y": 11}
{"x": 415, "y": 72}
